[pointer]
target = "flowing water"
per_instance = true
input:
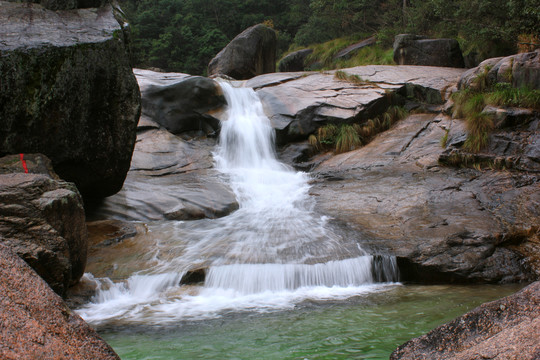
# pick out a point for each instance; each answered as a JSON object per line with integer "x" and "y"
{"x": 274, "y": 254}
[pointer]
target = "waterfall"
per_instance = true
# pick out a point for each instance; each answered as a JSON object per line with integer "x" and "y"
{"x": 271, "y": 253}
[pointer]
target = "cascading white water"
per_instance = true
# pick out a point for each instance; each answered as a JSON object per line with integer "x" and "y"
{"x": 271, "y": 253}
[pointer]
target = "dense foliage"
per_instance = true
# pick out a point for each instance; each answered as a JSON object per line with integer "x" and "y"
{"x": 183, "y": 35}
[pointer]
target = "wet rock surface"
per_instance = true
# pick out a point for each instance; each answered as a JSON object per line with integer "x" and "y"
{"x": 508, "y": 328}
{"x": 298, "y": 103}
{"x": 36, "y": 323}
{"x": 170, "y": 178}
{"x": 67, "y": 91}
{"x": 251, "y": 53}
{"x": 443, "y": 224}
{"x": 42, "y": 221}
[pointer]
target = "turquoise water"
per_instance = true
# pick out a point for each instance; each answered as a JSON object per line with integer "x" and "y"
{"x": 364, "y": 327}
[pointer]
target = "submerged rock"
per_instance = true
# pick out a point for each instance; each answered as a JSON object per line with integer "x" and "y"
{"x": 67, "y": 91}
{"x": 417, "y": 50}
{"x": 42, "y": 221}
{"x": 36, "y": 323}
{"x": 503, "y": 329}
{"x": 443, "y": 224}
{"x": 249, "y": 54}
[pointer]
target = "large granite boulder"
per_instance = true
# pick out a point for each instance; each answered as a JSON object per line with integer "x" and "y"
{"x": 43, "y": 221}
{"x": 180, "y": 102}
{"x": 36, "y": 323}
{"x": 298, "y": 103}
{"x": 417, "y": 50}
{"x": 67, "y": 91}
{"x": 520, "y": 70}
{"x": 443, "y": 224}
{"x": 295, "y": 61}
{"x": 249, "y": 54}
{"x": 508, "y": 328}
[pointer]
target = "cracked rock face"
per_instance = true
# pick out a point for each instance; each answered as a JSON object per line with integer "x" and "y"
{"x": 298, "y": 103}
{"x": 503, "y": 329}
{"x": 42, "y": 220}
{"x": 443, "y": 224}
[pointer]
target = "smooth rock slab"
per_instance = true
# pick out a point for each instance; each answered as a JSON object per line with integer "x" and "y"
{"x": 36, "y": 323}
{"x": 508, "y": 328}
{"x": 170, "y": 178}
{"x": 298, "y": 103}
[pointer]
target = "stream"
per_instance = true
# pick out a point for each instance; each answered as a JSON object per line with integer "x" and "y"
{"x": 279, "y": 282}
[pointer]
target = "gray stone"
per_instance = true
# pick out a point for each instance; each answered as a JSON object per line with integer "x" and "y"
{"x": 184, "y": 105}
{"x": 520, "y": 70}
{"x": 298, "y": 103}
{"x": 249, "y": 54}
{"x": 295, "y": 61}
{"x": 503, "y": 329}
{"x": 417, "y": 50}
{"x": 43, "y": 221}
{"x": 170, "y": 178}
{"x": 67, "y": 91}
{"x": 350, "y": 50}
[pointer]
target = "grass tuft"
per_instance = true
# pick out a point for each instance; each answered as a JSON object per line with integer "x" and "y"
{"x": 347, "y": 139}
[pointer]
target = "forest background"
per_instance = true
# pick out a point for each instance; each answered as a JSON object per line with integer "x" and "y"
{"x": 184, "y": 35}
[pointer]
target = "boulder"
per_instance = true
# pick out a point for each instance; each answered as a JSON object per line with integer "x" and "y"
{"x": 249, "y": 54}
{"x": 67, "y": 91}
{"x": 43, "y": 221}
{"x": 36, "y": 323}
{"x": 503, "y": 329}
{"x": 520, "y": 70}
{"x": 443, "y": 224}
{"x": 295, "y": 61}
{"x": 298, "y": 103}
{"x": 417, "y": 50}
{"x": 181, "y": 105}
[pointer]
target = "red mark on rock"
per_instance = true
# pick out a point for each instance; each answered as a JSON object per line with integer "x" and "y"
{"x": 24, "y": 164}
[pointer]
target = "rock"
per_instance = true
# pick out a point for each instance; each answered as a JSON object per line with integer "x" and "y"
{"x": 351, "y": 49}
{"x": 67, "y": 91}
{"x": 249, "y": 54}
{"x": 42, "y": 220}
{"x": 417, "y": 50}
{"x": 29, "y": 163}
{"x": 521, "y": 70}
{"x": 180, "y": 105}
{"x": 295, "y": 61}
{"x": 514, "y": 144}
{"x": 298, "y": 103}
{"x": 170, "y": 178}
{"x": 503, "y": 329}
{"x": 444, "y": 225}
{"x": 65, "y": 4}
{"x": 36, "y": 324}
